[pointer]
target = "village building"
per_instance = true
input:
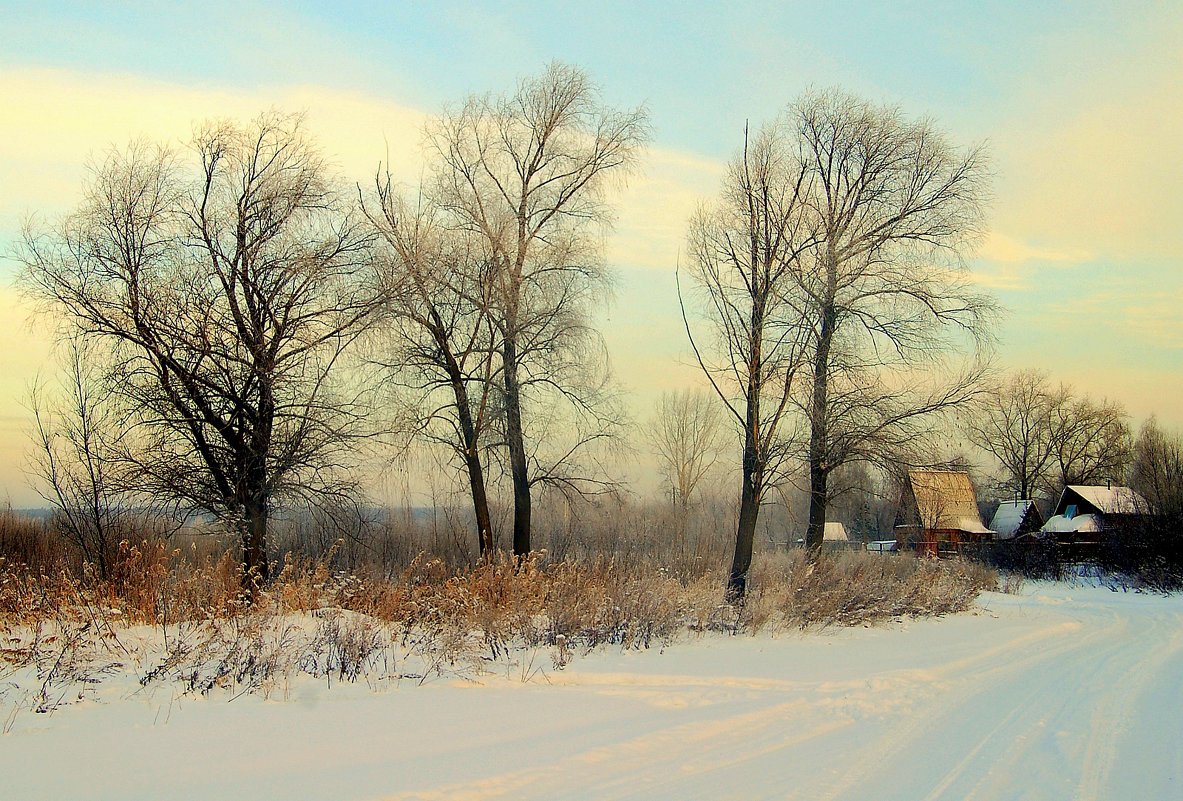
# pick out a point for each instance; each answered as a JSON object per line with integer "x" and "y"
{"x": 835, "y": 532}
{"x": 834, "y": 537}
{"x": 1084, "y": 511}
{"x": 939, "y": 513}
{"x": 1016, "y": 519}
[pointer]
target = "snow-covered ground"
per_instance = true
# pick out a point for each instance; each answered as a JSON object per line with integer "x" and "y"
{"x": 1056, "y": 693}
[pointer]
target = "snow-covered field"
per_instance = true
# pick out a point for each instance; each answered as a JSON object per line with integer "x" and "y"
{"x": 1056, "y": 693}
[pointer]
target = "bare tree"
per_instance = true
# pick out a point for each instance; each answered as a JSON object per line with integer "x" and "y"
{"x": 1149, "y": 545}
{"x": 1156, "y": 471}
{"x": 1014, "y": 421}
{"x": 224, "y": 291}
{"x": 882, "y": 294}
{"x": 686, "y": 432}
{"x": 76, "y": 431}
{"x": 1048, "y": 437}
{"x": 857, "y": 497}
{"x": 526, "y": 173}
{"x": 1091, "y": 440}
{"x": 744, "y": 250}
{"x": 442, "y": 339}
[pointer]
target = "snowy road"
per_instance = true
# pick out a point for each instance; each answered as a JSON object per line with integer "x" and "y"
{"x": 1058, "y": 693}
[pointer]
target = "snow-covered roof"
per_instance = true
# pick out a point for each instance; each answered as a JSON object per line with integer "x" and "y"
{"x": 1009, "y": 517}
{"x": 1059, "y": 524}
{"x": 1108, "y": 500}
{"x": 835, "y": 532}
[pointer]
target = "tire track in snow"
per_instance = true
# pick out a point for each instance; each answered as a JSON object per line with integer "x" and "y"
{"x": 956, "y": 686}
{"x": 1007, "y": 722}
{"x": 680, "y": 752}
{"x": 998, "y": 722}
{"x": 1112, "y": 717}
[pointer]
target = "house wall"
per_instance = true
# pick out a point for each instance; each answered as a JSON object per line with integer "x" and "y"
{"x": 935, "y": 541}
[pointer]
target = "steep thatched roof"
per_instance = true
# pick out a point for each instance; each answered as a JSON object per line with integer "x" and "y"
{"x": 945, "y": 499}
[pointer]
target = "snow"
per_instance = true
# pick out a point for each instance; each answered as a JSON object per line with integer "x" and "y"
{"x": 1080, "y": 523}
{"x": 1058, "y": 692}
{"x": 972, "y": 525}
{"x": 1008, "y": 517}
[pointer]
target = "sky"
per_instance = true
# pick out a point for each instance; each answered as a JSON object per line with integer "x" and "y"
{"x": 1078, "y": 104}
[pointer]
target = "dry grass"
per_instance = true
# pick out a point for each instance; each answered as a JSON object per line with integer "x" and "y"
{"x": 68, "y": 628}
{"x": 851, "y": 588}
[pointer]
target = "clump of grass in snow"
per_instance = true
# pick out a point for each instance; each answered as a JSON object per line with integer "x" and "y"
{"x": 854, "y": 588}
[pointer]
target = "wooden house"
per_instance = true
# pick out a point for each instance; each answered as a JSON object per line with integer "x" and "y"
{"x": 1084, "y": 511}
{"x": 939, "y": 513}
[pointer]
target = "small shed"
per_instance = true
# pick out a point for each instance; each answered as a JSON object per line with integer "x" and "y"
{"x": 1016, "y": 519}
{"x": 1084, "y": 510}
{"x": 939, "y": 512}
{"x": 835, "y": 532}
{"x": 834, "y": 537}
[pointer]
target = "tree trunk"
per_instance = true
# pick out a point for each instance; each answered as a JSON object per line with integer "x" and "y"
{"x": 255, "y": 570}
{"x": 472, "y": 453}
{"x": 749, "y": 512}
{"x": 517, "y": 451}
{"x": 819, "y": 435}
{"x": 753, "y": 465}
{"x": 815, "y": 532}
{"x": 476, "y": 481}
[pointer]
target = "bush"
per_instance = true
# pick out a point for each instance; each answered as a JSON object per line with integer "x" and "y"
{"x": 1146, "y": 553}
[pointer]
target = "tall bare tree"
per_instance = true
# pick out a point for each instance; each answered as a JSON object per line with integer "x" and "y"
{"x": 442, "y": 341}
{"x": 686, "y": 432}
{"x": 527, "y": 173}
{"x": 744, "y": 251}
{"x": 883, "y": 294}
{"x": 1015, "y": 422}
{"x": 225, "y": 290}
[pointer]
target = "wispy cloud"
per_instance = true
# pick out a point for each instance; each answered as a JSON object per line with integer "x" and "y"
{"x": 65, "y": 117}
{"x": 1088, "y": 158}
{"x": 655, "y": 207}
{"x": 68, "y": 117}
{"x": 1157, "y": 319}
{"x": 999, "y": 247}
{"x": 1008, "y": 263}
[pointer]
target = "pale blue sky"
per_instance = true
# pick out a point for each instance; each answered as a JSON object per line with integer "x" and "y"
{"x": 1078, "y": 102}
{"x": 693, "y": 63}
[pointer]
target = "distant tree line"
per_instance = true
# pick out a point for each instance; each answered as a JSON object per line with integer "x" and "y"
{"x": 1046, "y": 437}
